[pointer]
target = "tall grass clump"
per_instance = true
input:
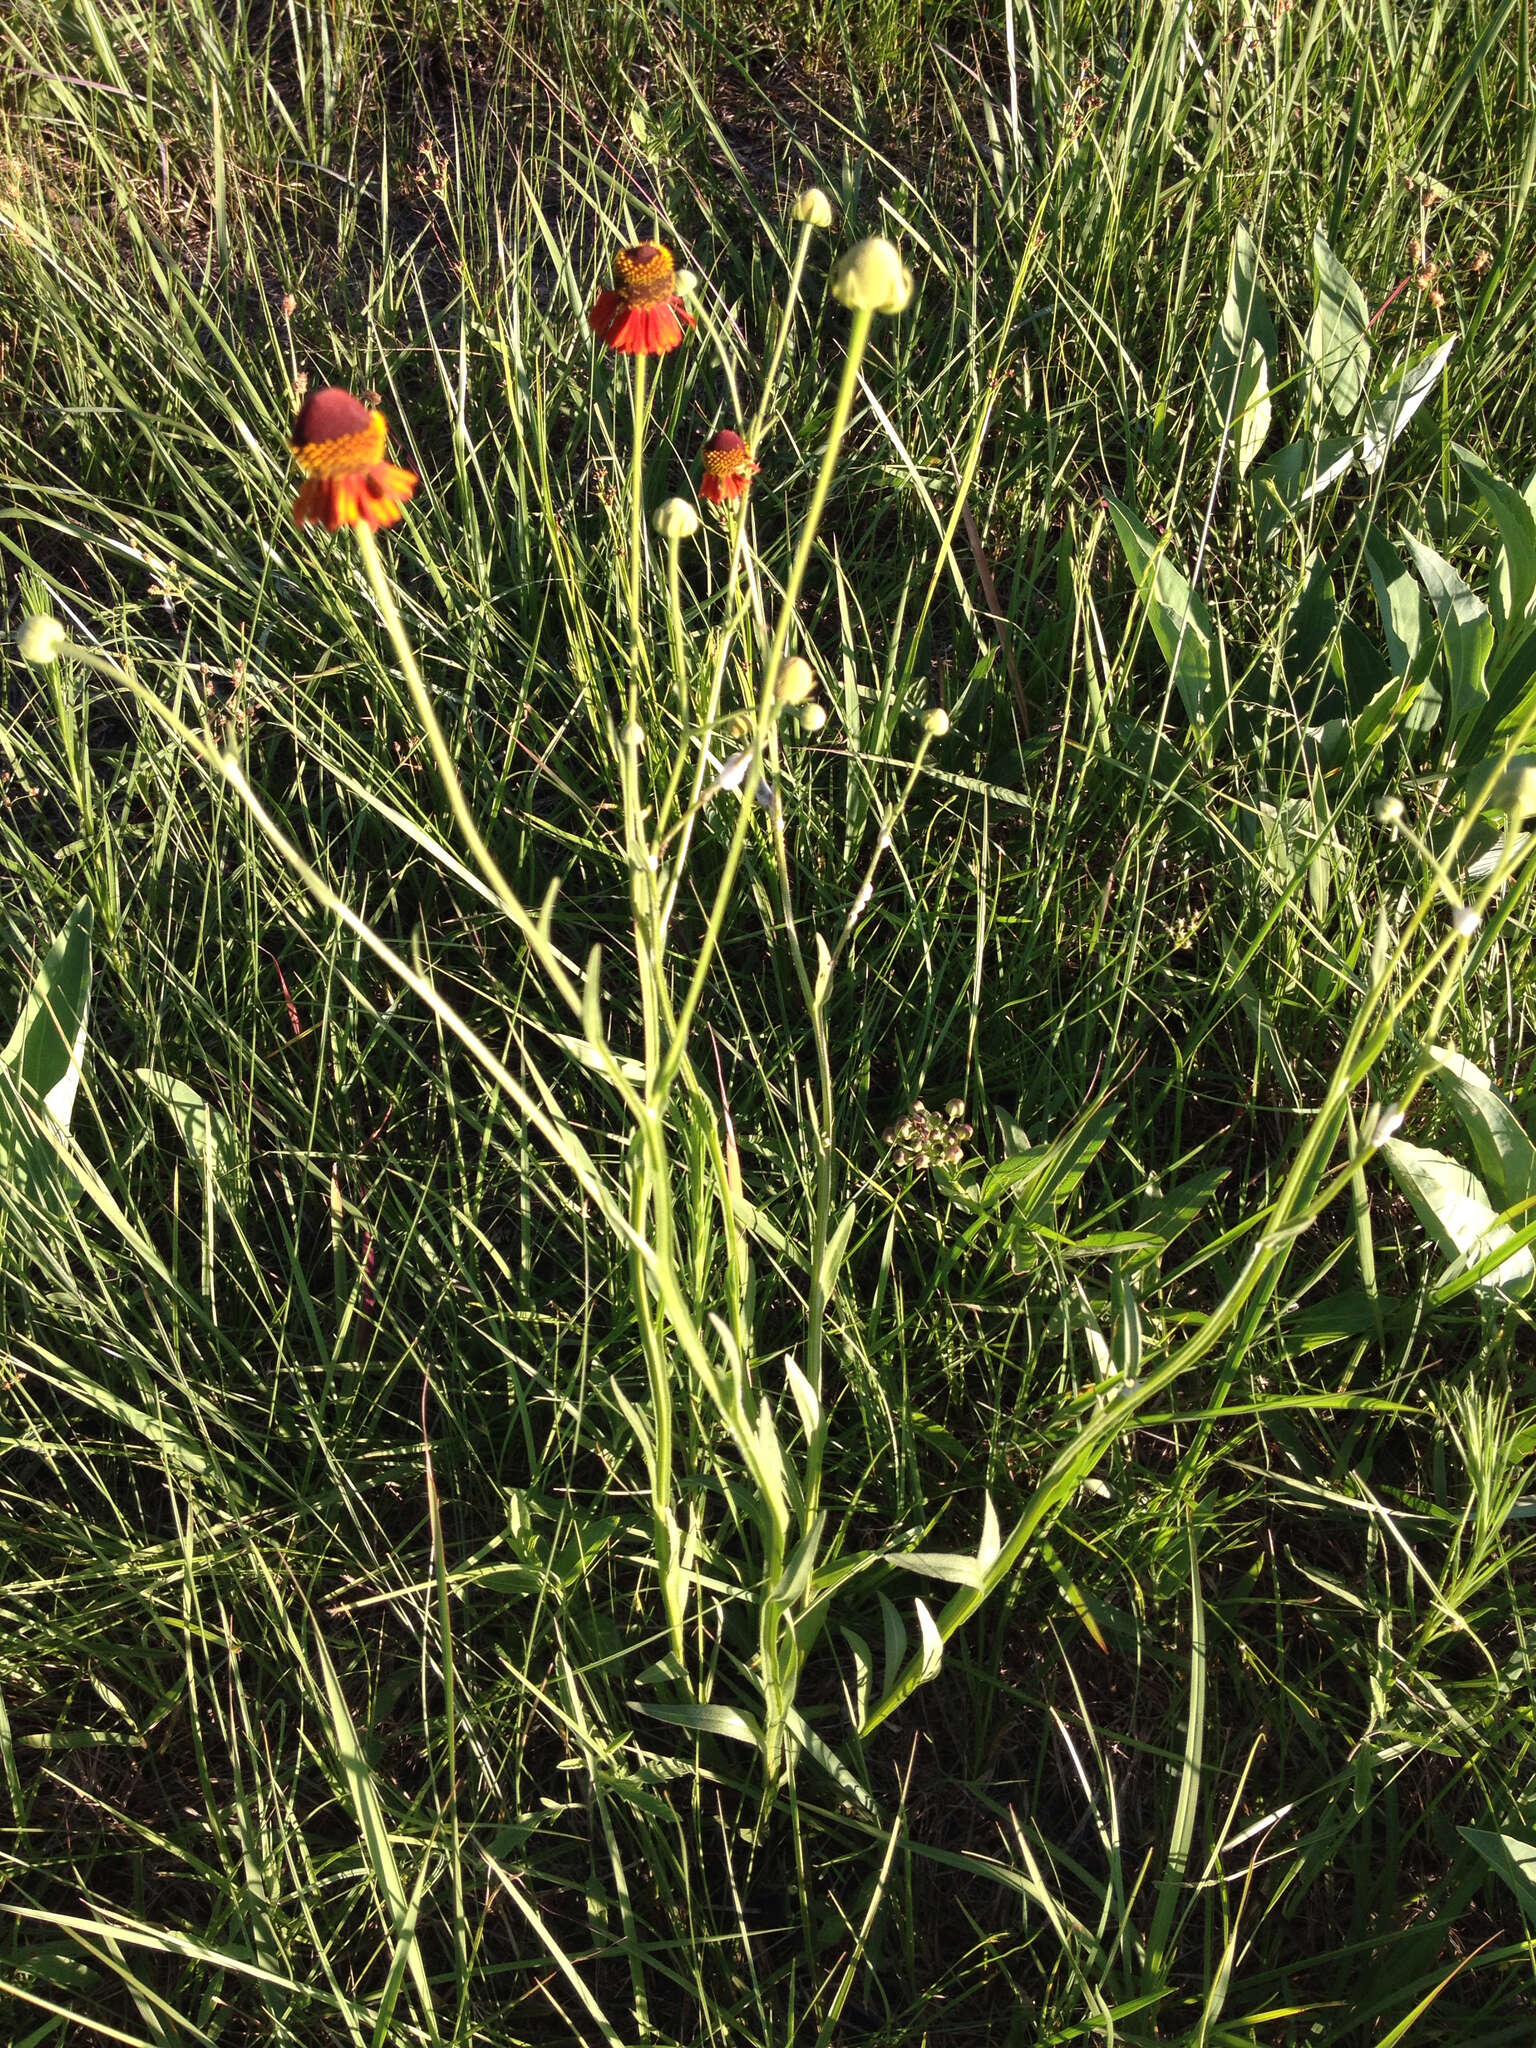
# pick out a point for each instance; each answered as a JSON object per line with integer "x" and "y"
{"x": 766, "y": 1222}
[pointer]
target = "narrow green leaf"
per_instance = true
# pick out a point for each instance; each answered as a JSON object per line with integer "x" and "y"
{"x": 1513, "y": 1856}
{"x": 1514, "y": 571}
{"x": 44, "y": 1051}
{"x": 1181, "y": 619}
{"x": 1393, "y": 404}
{"x": 1466, "y": 630}
{"x": 208, "y": 1134}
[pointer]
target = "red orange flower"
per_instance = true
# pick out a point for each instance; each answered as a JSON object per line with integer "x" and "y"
{"x": 727, "y": 465}
{"x": 339, "y": 445}
{"x": 642, "y": 314}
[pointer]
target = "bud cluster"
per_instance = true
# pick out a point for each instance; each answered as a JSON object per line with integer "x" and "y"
{"x": 924, "y": 1139}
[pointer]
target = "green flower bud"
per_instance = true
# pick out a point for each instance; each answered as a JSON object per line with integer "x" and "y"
{"x": 41, "y": 640}
{"x": 814, "y": 208}
{"x": 796, "y": 681}
{"x": 871, "y": 278}
{"x": 812, "y": 717}
{"x": 936, "y": 722}
{"x": 675, "y": 519}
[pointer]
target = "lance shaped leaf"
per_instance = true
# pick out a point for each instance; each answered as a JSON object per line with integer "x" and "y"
{"x": 42, "y": 1064}
{"x": 207, "y": 1132}
{"x": 1180, "y": 617}
{"x": 1453, "y": 1206}
{"x": 1514, "y": 570}
{"x": 1466, "y": 630}
{"x": 1505, "y": 1155}
{"x": 1242, "y": 350}
{"x": 1338, "y": 353}
{"x": 1389, "y": 408}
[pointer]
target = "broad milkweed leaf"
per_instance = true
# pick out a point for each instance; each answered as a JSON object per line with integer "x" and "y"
{"x": 1505, "y": 1155}
{"x": 1514, "y": 571}
{"x": 1338, "y": 351}
{"x": 1238, "y": 361}
{"x": 207, "y": 1133}
{"x": 44, "y": 1051}
{"x": 42, "y": 1065}
{"x": 1513, "y": 1856}
{"x": 1466, "y": 630}
{"x": 1389, "y": 409}
{"x": 1180, "y": 618}
{"x": 1244, "y": 323}
{"x": 1331, "y": 458}
{"x": 1453, "y": 1206}
{"x": 1404, "y": 616}
{"x": 1292, "y": 478}
{"x": 1252, "y": 411}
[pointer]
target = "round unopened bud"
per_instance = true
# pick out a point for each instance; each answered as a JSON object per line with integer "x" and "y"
{"x": 814, "y": 208}
{"x": 797, "y": 679}
{"x": 936, "y": 722}
{"x": 684, "y": 283}
{"x": 871, "y": 278}
{"x": 812, "y": 717}
{"x": 41, "y": 640}
{"x": 1390, "y": 811}
{"x": 675, "y": 519}
{"x": 1464, "y": 921}
{"x": 634, "y": 736}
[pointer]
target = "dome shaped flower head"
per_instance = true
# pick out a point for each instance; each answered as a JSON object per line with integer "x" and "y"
{"x": 339, "y": 444}
{"x": 727, "y": 466}
{"x": 641, "y": 314}
{"x": 797, "y": 681}
{"x": 41, "y": 640}
{"x": 814, "y": 208}
{"x": 675, "y": 519}
{"x": 871, "y": 278}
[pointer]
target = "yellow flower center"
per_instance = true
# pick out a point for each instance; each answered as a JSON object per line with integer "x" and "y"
{"x": 347, "y": 454}
{"x": 645, "y": 274}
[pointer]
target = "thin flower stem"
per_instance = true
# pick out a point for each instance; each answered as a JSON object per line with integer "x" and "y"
{"x": 675, "y": 629}
{"x": 857, "y": 341}
{"x": 637, "y": 512}
{"x": 781, "y": 339}
{"x": 405, "y": 654}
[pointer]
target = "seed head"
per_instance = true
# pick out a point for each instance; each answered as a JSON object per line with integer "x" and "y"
{"x": 871, "y": 278}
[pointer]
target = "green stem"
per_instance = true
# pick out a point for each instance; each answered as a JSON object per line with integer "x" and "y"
{"x": 857, "y": 341}
{"x": 781, "y": 339}
{"x": 637, "y": 512}
{"x": 405, "y": 654}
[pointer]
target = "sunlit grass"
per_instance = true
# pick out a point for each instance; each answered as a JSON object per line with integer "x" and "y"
{"x": 354, "y": 1688}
